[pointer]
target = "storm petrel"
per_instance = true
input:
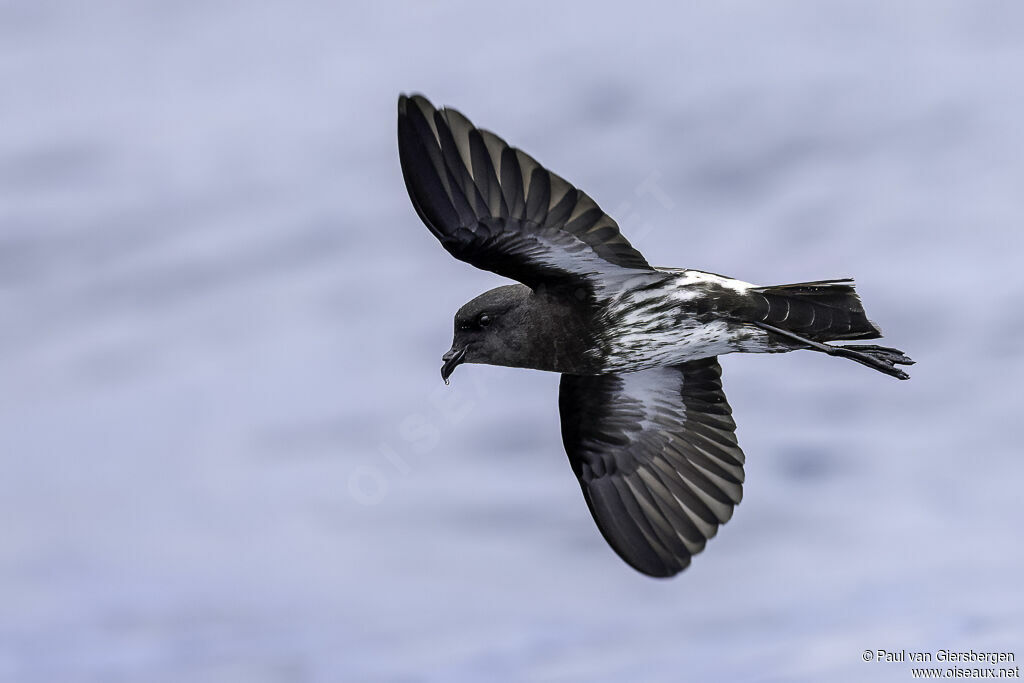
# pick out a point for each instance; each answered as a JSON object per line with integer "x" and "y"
{"x": 645, "y": 423}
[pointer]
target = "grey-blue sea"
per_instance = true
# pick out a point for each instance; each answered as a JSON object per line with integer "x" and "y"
{"x": 225, "y": 450}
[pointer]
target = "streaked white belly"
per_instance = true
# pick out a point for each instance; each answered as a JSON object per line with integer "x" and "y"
{"x": 647, "y": 330}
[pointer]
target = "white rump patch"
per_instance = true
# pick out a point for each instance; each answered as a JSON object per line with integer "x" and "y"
{"x": 688, "y": 278}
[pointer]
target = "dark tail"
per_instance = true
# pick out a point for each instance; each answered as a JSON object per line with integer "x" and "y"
{"x": 820, "y": 311}
{"x": 809, "y": 313}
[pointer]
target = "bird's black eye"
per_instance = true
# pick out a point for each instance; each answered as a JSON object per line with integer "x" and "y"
{"x": 484, "y": 320}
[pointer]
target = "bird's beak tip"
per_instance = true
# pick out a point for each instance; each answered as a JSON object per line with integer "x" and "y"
{"x": 451, "y": 360}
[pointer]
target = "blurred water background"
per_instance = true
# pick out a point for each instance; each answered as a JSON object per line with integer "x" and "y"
{"x": 225, "y": 450}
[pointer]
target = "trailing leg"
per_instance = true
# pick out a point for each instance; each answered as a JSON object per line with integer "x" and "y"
{"x": 881, "y": 358}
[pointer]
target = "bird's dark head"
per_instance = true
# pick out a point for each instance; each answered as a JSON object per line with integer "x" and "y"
{"x": 518, "y": 327}
{"x": 493, "y": 328}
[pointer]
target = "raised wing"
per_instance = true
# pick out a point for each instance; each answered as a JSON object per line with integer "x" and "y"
{"x": 657, "y": 458}
{"x": 493, "y": 206}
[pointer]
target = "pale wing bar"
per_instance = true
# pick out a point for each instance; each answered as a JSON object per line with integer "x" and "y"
{"x": 656, "y": 455}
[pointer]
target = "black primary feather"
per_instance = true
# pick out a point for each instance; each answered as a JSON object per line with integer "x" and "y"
{"x": 656, "y": 455}
{"x": 496, "y": 208}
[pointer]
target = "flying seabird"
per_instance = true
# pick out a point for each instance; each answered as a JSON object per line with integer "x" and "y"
{"x": 645, "y": 423}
